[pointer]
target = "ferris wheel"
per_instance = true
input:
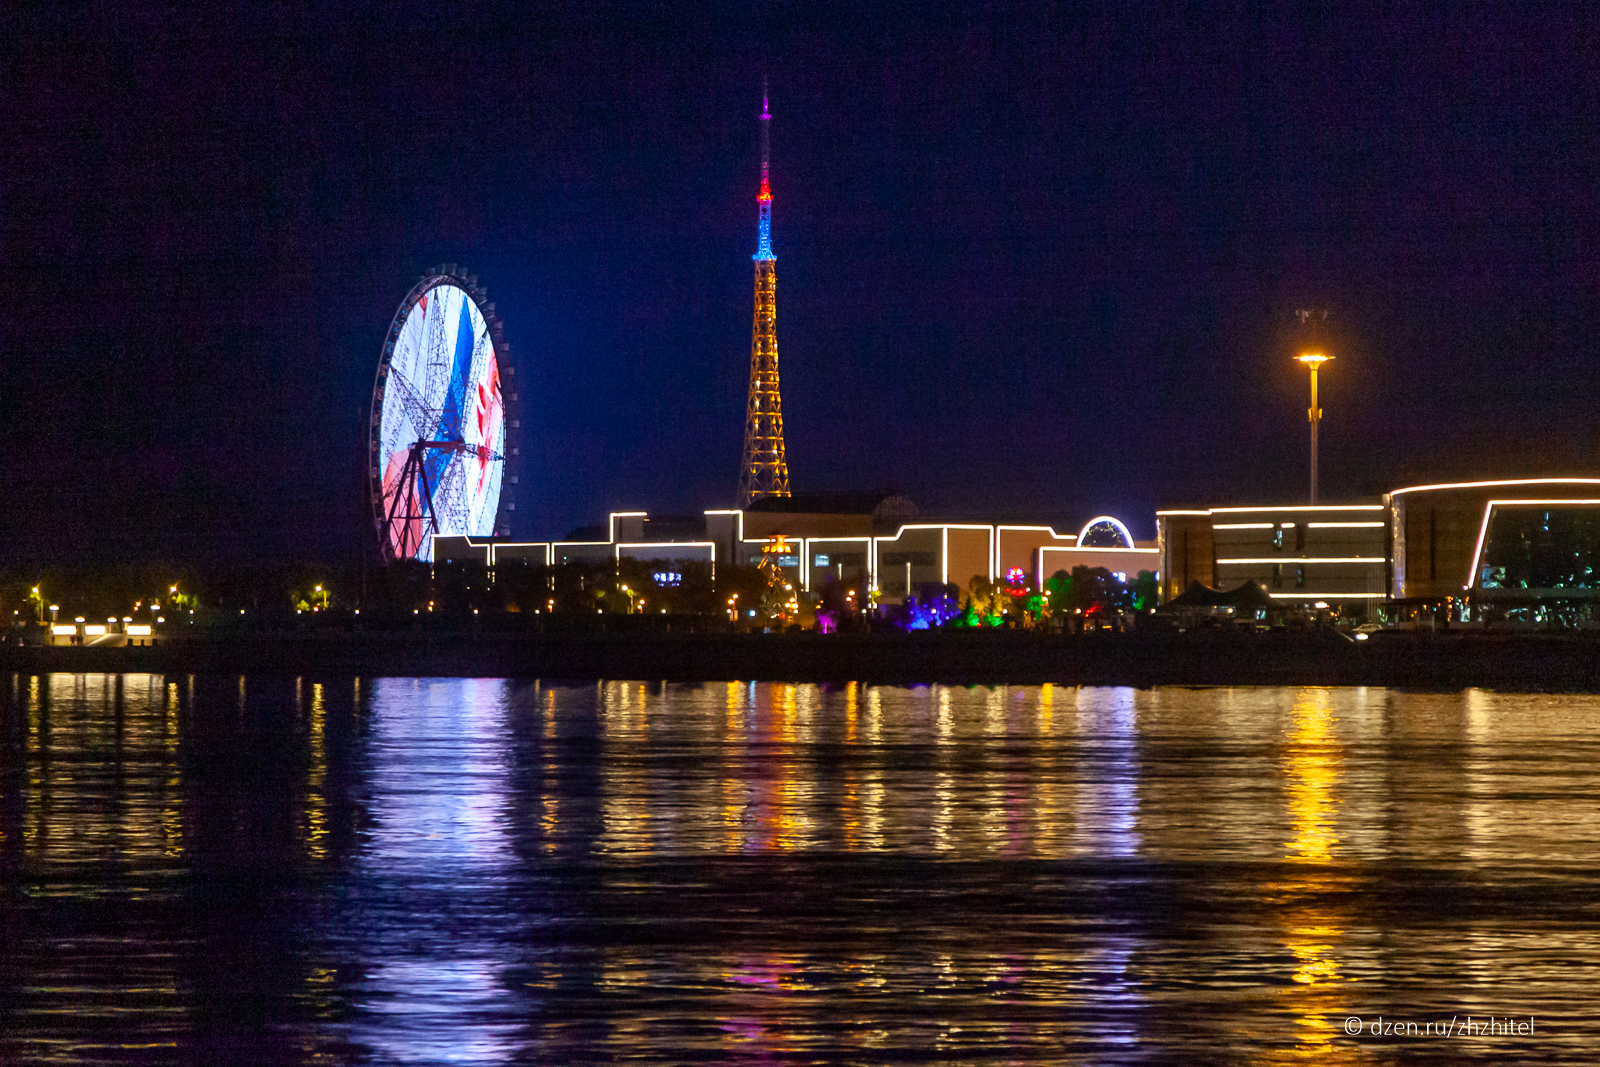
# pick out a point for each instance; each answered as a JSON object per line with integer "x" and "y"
{"x": 442, "y": 404}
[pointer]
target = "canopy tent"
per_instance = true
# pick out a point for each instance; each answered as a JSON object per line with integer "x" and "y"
{"x": 1248, "y": 597}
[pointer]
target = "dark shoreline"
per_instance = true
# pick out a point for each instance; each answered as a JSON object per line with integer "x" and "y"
{"x": 1441, "y": 661}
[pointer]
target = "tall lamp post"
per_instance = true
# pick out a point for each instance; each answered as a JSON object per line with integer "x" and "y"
{"x": 1314, "y": 360}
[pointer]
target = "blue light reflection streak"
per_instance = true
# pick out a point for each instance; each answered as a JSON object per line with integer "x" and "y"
{"x": 439, "y": 772}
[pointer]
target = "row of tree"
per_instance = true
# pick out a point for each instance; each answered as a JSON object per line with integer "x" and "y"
{"x": 741, "y": 597}
{"x": 1068, "y": 601}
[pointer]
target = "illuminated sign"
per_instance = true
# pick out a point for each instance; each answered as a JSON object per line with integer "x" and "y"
{"x": 440, "y": 383}
{"x": 822, "y": 561}
{"x": 667, "y": 577}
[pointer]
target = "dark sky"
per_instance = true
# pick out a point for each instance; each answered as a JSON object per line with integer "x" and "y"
{"x": 1031, "y": 261}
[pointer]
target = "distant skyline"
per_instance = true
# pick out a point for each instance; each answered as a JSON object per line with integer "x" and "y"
{"x": 1031, "y": 261}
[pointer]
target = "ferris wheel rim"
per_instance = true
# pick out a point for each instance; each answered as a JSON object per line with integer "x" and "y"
{"x": 457, "y": 277}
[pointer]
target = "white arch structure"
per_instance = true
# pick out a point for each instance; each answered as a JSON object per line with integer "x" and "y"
{"x": 1116, "y": 524}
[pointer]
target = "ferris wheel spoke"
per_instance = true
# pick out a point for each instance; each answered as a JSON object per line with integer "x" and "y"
{"x": 424, "y": 419}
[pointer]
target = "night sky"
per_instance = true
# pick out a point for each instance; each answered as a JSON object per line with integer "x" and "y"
{"x": 1031, "y": 262}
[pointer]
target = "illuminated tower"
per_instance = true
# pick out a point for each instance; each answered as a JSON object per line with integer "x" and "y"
{"x": 765, "y": 471}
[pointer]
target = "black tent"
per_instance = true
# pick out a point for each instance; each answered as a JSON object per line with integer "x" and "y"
{"x": 1249, "y": 598}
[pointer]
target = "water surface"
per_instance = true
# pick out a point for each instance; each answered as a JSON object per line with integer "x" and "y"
{"x": 284, "y": 871}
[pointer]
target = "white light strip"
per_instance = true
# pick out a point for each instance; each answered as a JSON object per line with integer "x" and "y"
{"x": 1183, "y": 513}
{"x": 1304, "y": 507}
{"x": 1484, "y": 485}
{"x": 1307, "y": 559}
{"x": 1327, "y": 596}
{"x": 1346, "y": 525}
{"x": 1243, "y": 525}
{"x": 808, "y": 546}
{"x": 1483, "y": 528}
{"x": 620, "y": 545}
{"x": 1083, "y": 550}
{"x": 999, "y": 538}
{"x": 615, "y": 515}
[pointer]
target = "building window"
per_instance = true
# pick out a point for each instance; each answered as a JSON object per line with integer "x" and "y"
{"x": 1299, "y": 537}
{"x": 1277, "y": 576}
{"x": 1300, "y": 577}
{"x": 1277, "y": 538}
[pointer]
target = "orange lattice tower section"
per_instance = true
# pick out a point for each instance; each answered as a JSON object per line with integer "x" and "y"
{"x": 765, "y": 471}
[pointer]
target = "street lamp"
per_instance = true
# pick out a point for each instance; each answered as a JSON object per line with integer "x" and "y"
{"x": 1313, "y": 360}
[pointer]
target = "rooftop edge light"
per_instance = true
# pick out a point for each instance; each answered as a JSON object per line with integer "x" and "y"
{"x": 1489, "y": 485}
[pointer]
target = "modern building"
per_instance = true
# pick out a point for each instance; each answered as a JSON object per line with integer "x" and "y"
{"x": 1517, "y": 550}
{"x": 1523, "y": 550}
{"x": 1317, "y": 555}
{"x": 872, "y": 540}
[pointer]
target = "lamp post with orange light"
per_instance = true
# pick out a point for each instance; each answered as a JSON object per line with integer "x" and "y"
{"x": 1313, "y": 360}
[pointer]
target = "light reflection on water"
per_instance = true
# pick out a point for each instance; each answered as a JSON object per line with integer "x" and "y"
{"x": 479, "y": 871}
{"x": 439, "y": 776}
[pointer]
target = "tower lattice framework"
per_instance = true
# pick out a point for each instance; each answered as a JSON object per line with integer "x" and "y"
{"x": 765, "y": 471}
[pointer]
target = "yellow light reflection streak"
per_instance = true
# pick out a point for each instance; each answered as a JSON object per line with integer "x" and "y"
{"x": 624, "y": 808}
{"x": 549, "y": 794}
{"x": 789, "y": 820}
{"x": 1313, "y": 770}
{"x": 873, "y": 792}
{"x": 732, "y": 802}
{"x": 171, "y": 811}
{"x": 850, "y": 808}
{"x": 316, "y": 798}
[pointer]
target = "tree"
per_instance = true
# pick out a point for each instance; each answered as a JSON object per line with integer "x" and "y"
{"x": 1146, "y": 591}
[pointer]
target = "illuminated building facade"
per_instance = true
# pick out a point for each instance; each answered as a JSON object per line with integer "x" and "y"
{"x": 765, "y": 472}
{"x": 1526, "y": 550}
{"x": 1516, "y": 551}
{"x": 875, "y": 541}
{"x": 1332, "y": 555}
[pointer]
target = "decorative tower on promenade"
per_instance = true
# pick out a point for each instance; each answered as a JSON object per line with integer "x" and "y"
{"x": 765, "y": 471}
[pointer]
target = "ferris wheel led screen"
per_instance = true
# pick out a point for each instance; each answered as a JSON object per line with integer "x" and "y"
{"x": 440, "y": 420}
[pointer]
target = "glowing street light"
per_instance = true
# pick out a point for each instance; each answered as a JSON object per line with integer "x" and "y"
{"x": 1313, "y": 360}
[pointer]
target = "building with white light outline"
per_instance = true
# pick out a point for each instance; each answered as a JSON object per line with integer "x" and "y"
{"x": 1509, "y": 547}
{"x": 1307, "y": 555}
{"x": 851, "y": 539}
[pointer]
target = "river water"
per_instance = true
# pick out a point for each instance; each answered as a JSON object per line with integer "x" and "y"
{"x": 402, "y": 870}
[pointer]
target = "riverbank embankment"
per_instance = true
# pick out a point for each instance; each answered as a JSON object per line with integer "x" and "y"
{"x": 1443, "y": 661}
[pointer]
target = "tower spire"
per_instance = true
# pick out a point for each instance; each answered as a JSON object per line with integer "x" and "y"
{"x": 764, "y": 198}
{"x": 766, "y": 470}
